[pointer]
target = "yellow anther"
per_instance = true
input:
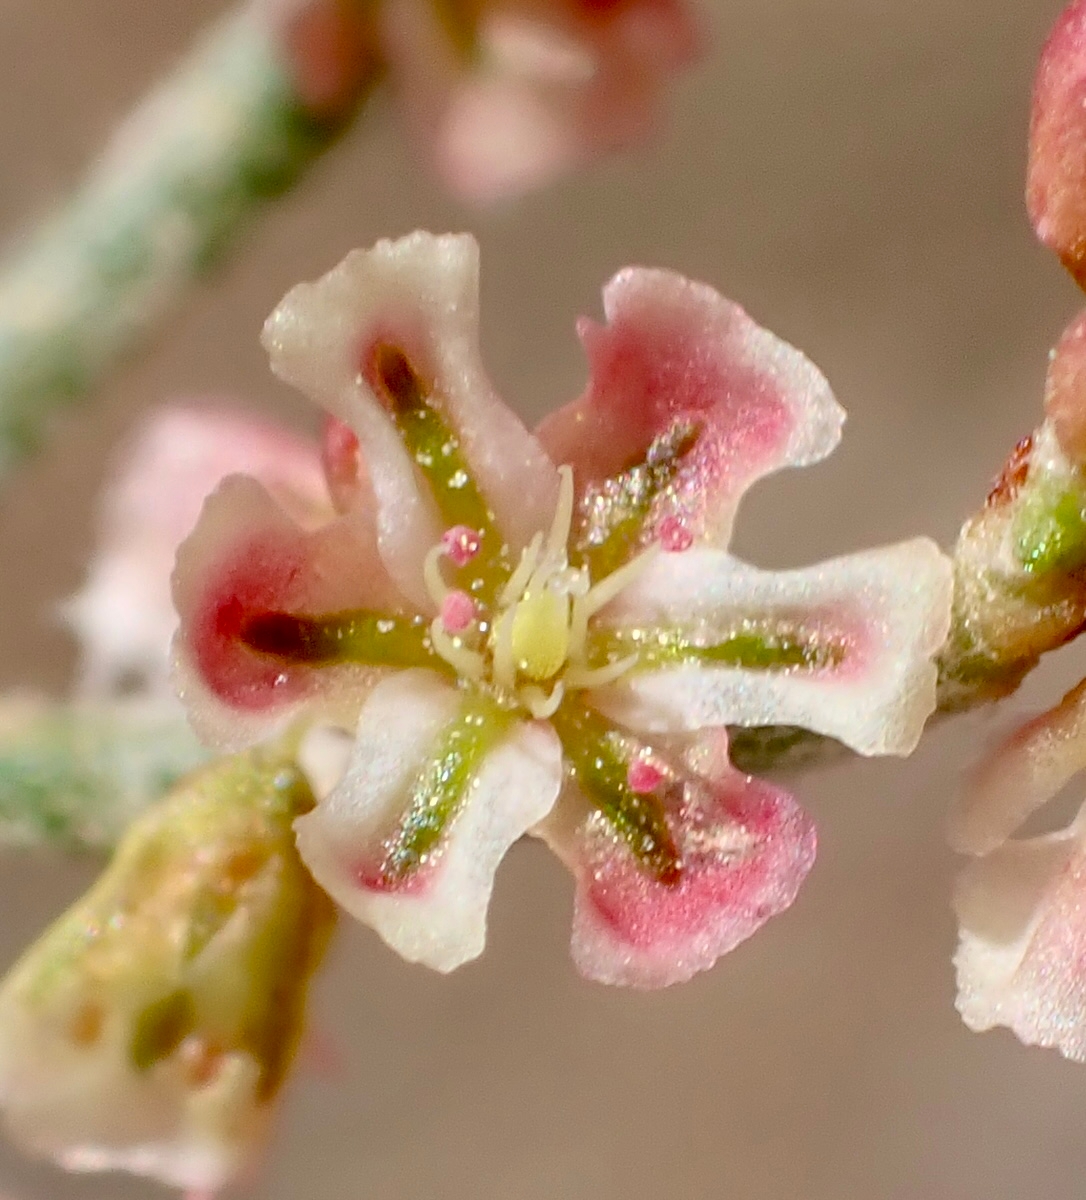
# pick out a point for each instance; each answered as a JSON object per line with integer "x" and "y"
{"x": 540, "y": 634}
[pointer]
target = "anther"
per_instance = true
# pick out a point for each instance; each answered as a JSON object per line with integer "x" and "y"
{"x": 675, "y": 537}
{"x": 457, "y": 611}
{"x": 461, "y": 544}
{"x": 643, "y": 776}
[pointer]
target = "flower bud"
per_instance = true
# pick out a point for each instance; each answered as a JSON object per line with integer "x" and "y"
{"x": 1056, "y": 180}
{"x": 151, "y": 1027}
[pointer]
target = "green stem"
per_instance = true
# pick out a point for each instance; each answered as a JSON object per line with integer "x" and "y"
{"x": 76, "y": 776}
{"x": 228, "y": 130}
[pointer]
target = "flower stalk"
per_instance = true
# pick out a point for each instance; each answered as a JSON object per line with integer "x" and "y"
{"x": 237, "y": 123}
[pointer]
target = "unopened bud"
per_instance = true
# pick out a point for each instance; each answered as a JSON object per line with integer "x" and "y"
{"x": 150, "y": 1028}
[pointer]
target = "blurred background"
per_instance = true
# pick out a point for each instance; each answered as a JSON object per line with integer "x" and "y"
{"x": 851, "y": 171}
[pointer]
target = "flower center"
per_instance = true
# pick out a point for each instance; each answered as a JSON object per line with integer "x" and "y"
{"x": 530, "y": 646}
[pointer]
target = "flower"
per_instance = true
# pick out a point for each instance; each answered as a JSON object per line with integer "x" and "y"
{"x": 526, "y": 90}
{"x": 151, "y": 1027}
{"x": 546, "y": 634}
{"x": 1022, "y": 936}
{"x": 1056, "y": 180}
{"x": 124, "y": 615}
{"x": 510, "y": 93}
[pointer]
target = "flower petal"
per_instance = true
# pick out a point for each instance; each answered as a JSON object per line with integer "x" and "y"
{"x": 1023, "y": 940}
{"x": 745, "y": 848}
{"x": 1028, "y": 769}
{"x": 438, "y": 789}
{"x": 413, "y": 303}
{"x": 874, "y": 621}
{"x": 246, "y": 558}
{"x": 676, "y": 354}
{"x": 123, "y": 615}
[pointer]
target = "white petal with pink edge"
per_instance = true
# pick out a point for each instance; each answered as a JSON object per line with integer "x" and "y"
{"x": 677, "y": 351}
{"x": 746, "y": 848}
{"x": 1028, "y": 769}
{"x": 247, "y": 556}
{"x": 439, "y": 918}
{"x": 123, "y": 615}
{"x": 419, "y": 295}
{"x": 887, "y": 612}
{"x": 1021, "y": 958}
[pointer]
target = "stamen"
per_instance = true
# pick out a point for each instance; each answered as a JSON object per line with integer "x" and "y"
{"x": 504, "y": 666}
{"x": 608, "y": 588}
{"x": 539, "y": 704}
{"x": 675, "y": 537}
{"x": 519, "y": 579}
{"x": 594, "y": 677}
{"x": 644, "y": 776}
{"x": 558, "y": 538}
{"x": 468, "y": 663}
{"x": 461, "y": 544}
{"x": 431, "y": 574}
{"x": 457, "y": 611}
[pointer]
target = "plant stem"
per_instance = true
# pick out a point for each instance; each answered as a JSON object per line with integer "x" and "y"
{"x": 228, "y": 130}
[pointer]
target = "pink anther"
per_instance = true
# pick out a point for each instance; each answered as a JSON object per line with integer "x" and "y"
{"x": 674, "y": 535}
{"x": 643, "y": 776}
{"x": 461, "y": 544}
{"x": 457, "y": 611}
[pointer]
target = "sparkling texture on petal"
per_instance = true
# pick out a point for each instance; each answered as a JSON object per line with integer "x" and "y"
{"x": 746, "y": 848}
{"x": 246, "y": 556}
{"x": 418, "y": 295}
{"x": 1021, "y": 958}
{"x": 887, "y": 610}
{"x": 123, "y": 616}
{"x": 1056, "y": 179}
{"x": 436, "y": 916}
{"x": 676, "y": 351}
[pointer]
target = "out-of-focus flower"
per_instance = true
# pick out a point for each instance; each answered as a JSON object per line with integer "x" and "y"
{"x": 513, "y": 93}
{"x": 124, "y": 616}
{"x": 510, "y": 93}
{"x": 1056, "y": 181}
{"x": 151, "y": 1028}
{"x": 557, "y": 649}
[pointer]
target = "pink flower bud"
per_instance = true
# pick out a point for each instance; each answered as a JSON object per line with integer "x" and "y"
{"x": 1056, "y": 180}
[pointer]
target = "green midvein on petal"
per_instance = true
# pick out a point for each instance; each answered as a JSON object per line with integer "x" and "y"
{"x": 771, "y": 648}
{"x": 359, "y": 636}
{"x": 442, "y": 784}
{"x": 599, "y": 758}
{"x": 436, "y": 450}
{"x": 613, "y": 513}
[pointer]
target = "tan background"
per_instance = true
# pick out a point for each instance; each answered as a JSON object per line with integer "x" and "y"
{"x": 852, "y": 171}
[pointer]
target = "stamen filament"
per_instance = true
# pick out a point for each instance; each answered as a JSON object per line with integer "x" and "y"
{"x": 558, "y": 538}
{"x": 504, "y": 666}
{"x": 469, "y": 663}
{"x": 519, "y": 579}
{"x": 594, "y": 677}
{"x": 431, "y": 574}
{"x": 540, "y": 705}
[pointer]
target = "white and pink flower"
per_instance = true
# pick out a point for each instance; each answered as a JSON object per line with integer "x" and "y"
{"x": 545, "y": 633}
{"x": 1021, "y": 957}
